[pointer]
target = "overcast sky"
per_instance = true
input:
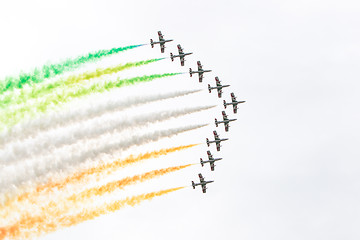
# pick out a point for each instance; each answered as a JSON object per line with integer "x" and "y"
{"x": 291, "y": 167}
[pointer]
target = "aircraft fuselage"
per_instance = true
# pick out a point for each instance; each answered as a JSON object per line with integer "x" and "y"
{"x": 234, "y": 103}
{"x": 181, "y": 55}
{"x": 202, "y": 183}
{"x": 212, "y": 160}
{"x": 164, "y": 41}
{"x": 220, "y": 87}
{"x": 218, "y": 141}
{"x": 201, "y": 71}
{"x": 227, "y": 121}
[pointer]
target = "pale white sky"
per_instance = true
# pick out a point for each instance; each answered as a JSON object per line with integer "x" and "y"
{"x": 290, "y": 169}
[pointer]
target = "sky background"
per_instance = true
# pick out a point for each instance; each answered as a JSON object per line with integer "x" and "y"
{"x": 291, "y": 167}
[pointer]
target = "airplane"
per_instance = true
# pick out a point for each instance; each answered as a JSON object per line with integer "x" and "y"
{"x": 211, "y": 161}
{"x": 225, "y": 121}
{"x": 161, "y": 41}
{"x": 200, "y": 71}
{"x": 202, "y": 183}
{"x": 218, "y": 87}
{"x": 233, "y": 102}
{"x": 217, "y": 141}
{"x": 181, "y": 55}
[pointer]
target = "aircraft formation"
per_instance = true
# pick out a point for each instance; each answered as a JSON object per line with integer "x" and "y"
{"x": 234, "y": 103}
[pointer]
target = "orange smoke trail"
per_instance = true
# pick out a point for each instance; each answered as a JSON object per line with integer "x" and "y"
{"x": 11, "y": 206}
{"x": 57, "y": 209}
{"x": 108, "y": 167}
{"x": 71, "y": 220}
{"x": 42, "y": 224}
{"x": 67, "y": 221}
{"x": 112, "y": 186}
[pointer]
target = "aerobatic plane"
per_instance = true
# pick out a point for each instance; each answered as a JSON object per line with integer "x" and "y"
{"x": 211, "y": 161}
{"x": 202, "y": 183}
{"x": 181, "y": 55}
{"x": 233, "y": 102}
{"x": 225, "y": 121}
{"x": 161, "y": 41}
{"x": 217, "y": 141}
{"x": 218, "y": 87}
{"x": 200, "y": 71}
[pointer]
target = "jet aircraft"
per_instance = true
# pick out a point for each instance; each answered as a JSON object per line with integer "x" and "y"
{"x": 181, "y": 55}
{"x": 211, "y": 161}
{"x": 202, "y": 183}
{"x": 200, "y": 71}
{"x": 217, "y": 141}
{"x": 161, "y": 41}
{"x": 225, "y": 121}
{"x": 218, "y": 87}
{"x": 233, "y": 102}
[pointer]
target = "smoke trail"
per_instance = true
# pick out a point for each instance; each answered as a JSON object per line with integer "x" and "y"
{"x": 85, "y": 130}
{"x": 78, "y": 200}
{"x": 13, "y": 116}
{"x": 51, "y": 70}
{"x": 20, "y": 203}
{"x": 77, "y": 114}
{"x": 40, "y": 90}
{"x": 112, "y": 186}
{"x": 108, "y": 168}
{"x": 62, "y": 160}
{"x": 40, "y": 225}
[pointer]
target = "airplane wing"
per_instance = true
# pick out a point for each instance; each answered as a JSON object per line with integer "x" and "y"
{"x": 212, "y": 166}
{"x": 203, "y": 188}
{"x": 216, "y": 136}
{"x": 162, "y": 46}
{"x": 233, "y": 98}
{"x": 218, "y": 146}
{"x": 182, "y": 60}
{"x": 219, "y": 92}
{"x": 180, "y": 49}
{"x": 161, "y": 37}
{"x": 199, "y": 66}
{"x": 217, "y": 82}
{"x": 235, "y": 108}
{"x": 200, "y": 77}
{"x": 201, "y": 177}
{"x": 224, "y": 116}
{"x": 209, "y": 155}
{"x": 226, "y": 126}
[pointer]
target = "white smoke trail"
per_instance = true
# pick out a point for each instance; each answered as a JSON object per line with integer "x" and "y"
{"x": 63, "y": 160}
{"x": 75, "y": 114}
{"x": 45, "y": 143}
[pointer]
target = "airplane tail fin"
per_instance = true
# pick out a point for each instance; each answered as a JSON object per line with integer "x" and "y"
{"x": 193, "y": 184}
{"x": 201, "y": 162}
{"x": 190, "y": 71}
{"x": 209, "y": 88}
{"x": 207, "y": 142}
{"x": 216, "y": 122}
{"x": 172, "y": 57}
{"x": 152, "y": 43}
{"x": 224, "y": 104}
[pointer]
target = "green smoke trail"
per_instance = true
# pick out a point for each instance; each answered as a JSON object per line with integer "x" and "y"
{"x": 47, "y": 71}
{"x": 40, "y": 90}
{"x": 11, "y": 117}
